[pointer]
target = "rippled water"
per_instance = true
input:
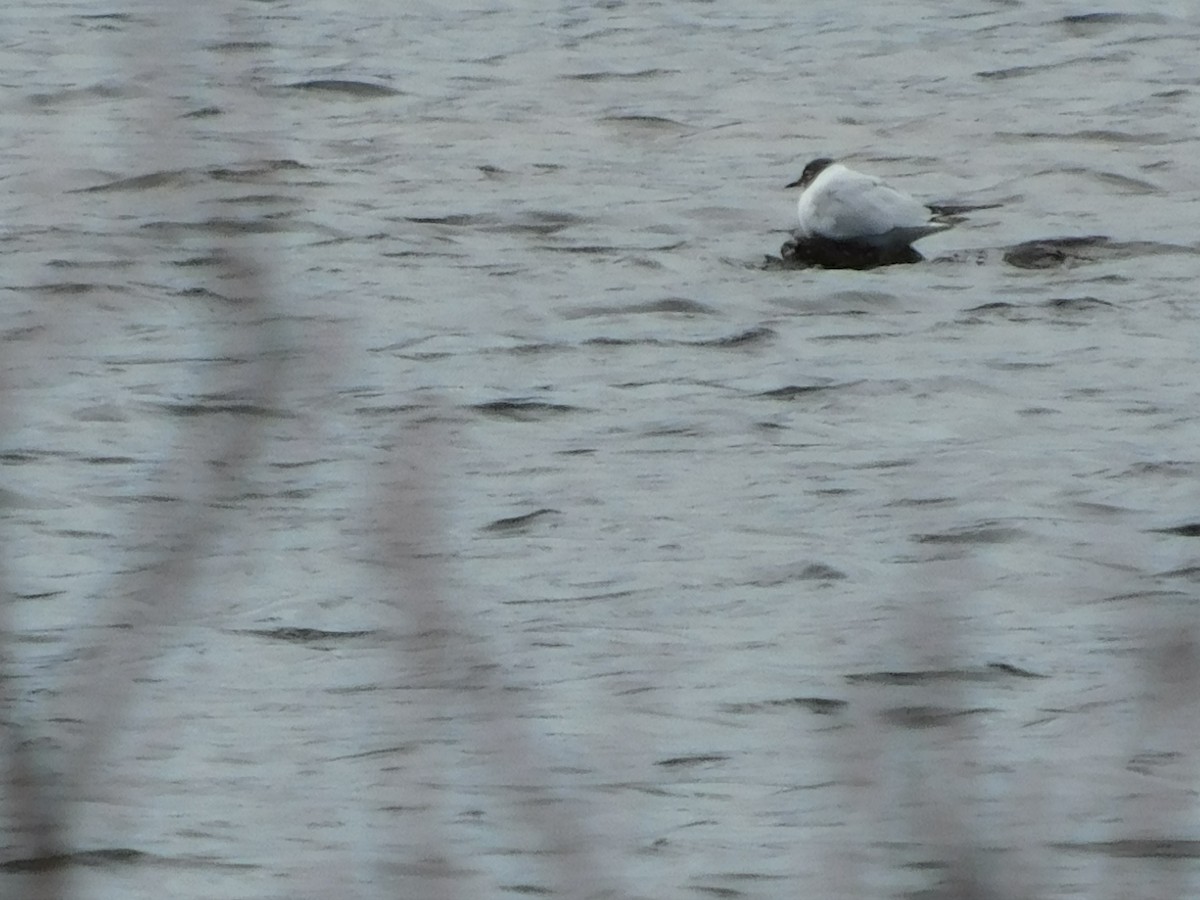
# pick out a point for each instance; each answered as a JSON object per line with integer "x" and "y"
{"x": 516, "y": 528}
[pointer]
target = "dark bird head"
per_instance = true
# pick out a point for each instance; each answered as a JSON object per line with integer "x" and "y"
{"x": 811, "y": 171}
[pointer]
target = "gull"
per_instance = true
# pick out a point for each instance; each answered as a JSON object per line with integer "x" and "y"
{"x": 841, "y": 205}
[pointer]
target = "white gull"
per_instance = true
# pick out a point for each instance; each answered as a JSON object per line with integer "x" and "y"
{"x": 839, "y": 204}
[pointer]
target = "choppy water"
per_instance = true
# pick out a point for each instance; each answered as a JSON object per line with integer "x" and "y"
{"x": 533, "y": 536}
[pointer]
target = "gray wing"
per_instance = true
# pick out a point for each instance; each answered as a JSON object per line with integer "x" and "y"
{"x": 864, "y": 206}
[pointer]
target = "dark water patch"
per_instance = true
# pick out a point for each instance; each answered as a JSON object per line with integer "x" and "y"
{"x": 1172, "y": 468}
{"x": 679, "y": 305}
{"x": 1151, "y": 761}
{"x": 396, "y": 750}
{"x": 1189, "y": 573}
{"x": 1064, "y": 252}
{"x": 119, "y": 361}
{"x": 1076, "y": 304}
{"x": 821, "y": 706}
{"x": 148, "y": 498}
{"x": 102, "y": 412}
{"x": 589, "y": 249}
{"x": 531, "y": 349}
{"x": 420, "y": 254}
{"x": 857, "y": 336}
{"x": 648, "y": 123}
{"x": 1124, "y": 183}
{"x": 700, "y": 759}
{"x": 28, "y": 638}
{"x": 109, "y": 460}
{"x": 201, "y": 292}
{"x": 173, "y": 178}
{"x": 300, "y": 463}
{"x": 253, "y": 171}
{"x": 1013, "y": 72}
{"x": 796, "y": 391}
{"x": 639, "y": 75}
{"x": 90, "y": 263}
{"x": 239, "y": 46}
{"x": 108, "y": 857}
{"x": 454, "y": 220}
{"x": 81, "y": 534}
{"x": 74, "y": 263}
{"x": 1086, "y": 24}
{"x": 1020, "y": 366}
{"x": 285, "y": 494}
{"x": 167, "y": 178}
{"x": 1191, "y": 529}
{"x": 1146, "y": 848}
{"x": 25, "y": 456}
{"x": 60, "y": 288}
{"x": 584, "y": 598}
{"x": 887, "y": 464}
{"x": 1052, "y": 252}
{"x": 1107, "y": 510}
{"x": 927, "y": 716}
{"x": 749, "y": 337}
{"x": 978, "y": 257}
{"x": 974, "y": 534}
{"x": 91, "y": 92}
{"x": 988, "y": 673}
{"x": 1143, "y": 599}
{"x": 668, "y": 305}
{"x": 210, "y": 259}
{"x": 204, "y": 112}
{"x": 720, "y": 892}
{"x": 685, "y": 431}
{"x": 1098, "y": 59}
{"x": 541, "y": 222}
{"x": 1095, "y": 135}
{"x": 293, "y": 635}
{"x": 1016, "y": 671}
{"x": 221, "y": 226}
{"x": 257, "y": 199}
{"x": 345, "y": 87}
{"x": 799, "y": 572}
{"x": 390, "y": 409}
{"x": 524, "y": 410}
{"x": 519, "y": 524}
{"x": 956, "y": 211}
{"x": 998, "y": 306}
{"x": 527, "y": 890}
{"x": 1022, "y": 312}
{"x": 922, "y": 501}
{"x": 604, "y": 341}
{"x": 251, "y": 410}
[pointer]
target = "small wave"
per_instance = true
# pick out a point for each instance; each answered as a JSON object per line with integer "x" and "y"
{"x": 519, "y": 524}
{"x": 345, "y": 88}
{"x": 668, "y": 305}
{"x": 524, "y": 410}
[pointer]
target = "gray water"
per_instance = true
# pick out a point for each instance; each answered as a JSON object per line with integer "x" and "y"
{"x": 417, "y": 484}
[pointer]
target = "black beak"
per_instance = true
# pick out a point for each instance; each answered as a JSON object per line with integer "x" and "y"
{"x": 795, "y": 183}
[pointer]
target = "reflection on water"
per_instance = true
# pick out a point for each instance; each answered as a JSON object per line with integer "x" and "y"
{"x": 416, "y": 483}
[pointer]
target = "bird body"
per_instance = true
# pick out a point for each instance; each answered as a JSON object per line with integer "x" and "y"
{"x": 839, "y": 204}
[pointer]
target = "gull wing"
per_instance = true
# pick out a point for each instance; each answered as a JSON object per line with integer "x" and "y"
{"x": 849, "y": 205}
